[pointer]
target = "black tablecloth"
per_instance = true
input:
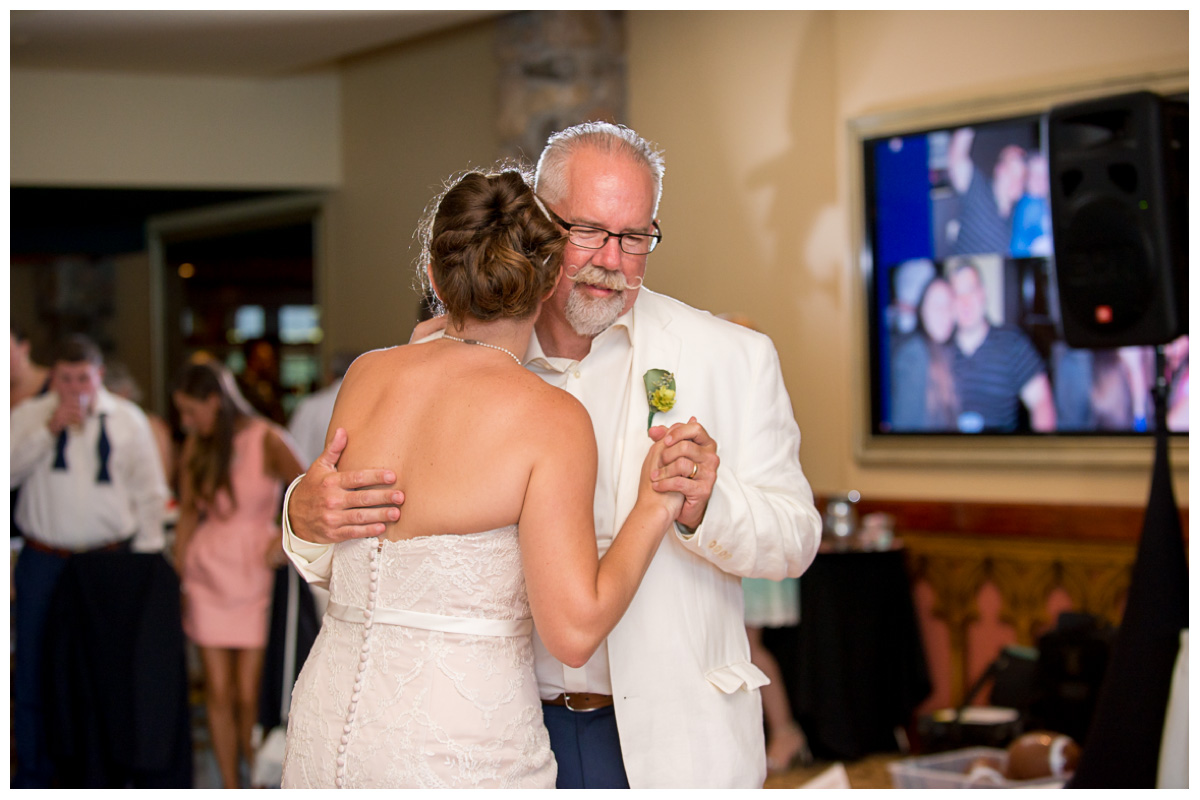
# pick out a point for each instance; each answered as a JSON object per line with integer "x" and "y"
{"x": 854, "y": 668}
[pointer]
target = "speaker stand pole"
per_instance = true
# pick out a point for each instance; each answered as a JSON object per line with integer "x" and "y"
{"x": 1162, "y": 394}
{"x": 1123, "y": 743}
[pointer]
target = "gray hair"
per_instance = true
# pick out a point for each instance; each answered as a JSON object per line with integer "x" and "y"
{"x": 551, "y": 176}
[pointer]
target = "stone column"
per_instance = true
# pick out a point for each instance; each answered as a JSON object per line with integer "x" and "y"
{"x": 557, "y": 69}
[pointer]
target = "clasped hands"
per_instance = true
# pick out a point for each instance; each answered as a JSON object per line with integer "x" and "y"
{"x": 689, "y": 466}
{"x": 328, "y": 506}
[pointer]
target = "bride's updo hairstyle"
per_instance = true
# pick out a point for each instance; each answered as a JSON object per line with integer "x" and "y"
{"x": 493, "y": 252}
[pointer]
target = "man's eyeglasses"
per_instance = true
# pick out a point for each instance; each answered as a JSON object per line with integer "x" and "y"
{"x": 592, "y": 238}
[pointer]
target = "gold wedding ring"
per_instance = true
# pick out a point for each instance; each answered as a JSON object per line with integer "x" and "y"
{"x": 695, "y": 469}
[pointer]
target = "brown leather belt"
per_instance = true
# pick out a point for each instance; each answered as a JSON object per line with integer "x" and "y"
{"x": 34, "y": 544}
{"x": 581, "y": 701}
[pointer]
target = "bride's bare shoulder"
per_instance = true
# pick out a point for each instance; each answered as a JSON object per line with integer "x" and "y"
{"x": 380, "y": 354}
{"x": 371, "y": 361}
{"x": 374, "y": 369}
{"x": 556, "y": 409}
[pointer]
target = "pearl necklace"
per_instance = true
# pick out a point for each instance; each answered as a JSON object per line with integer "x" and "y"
{"x": 485, "y": 344}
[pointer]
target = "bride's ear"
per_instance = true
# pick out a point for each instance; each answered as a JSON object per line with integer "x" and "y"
{"x": 550, "y": 293}
{"x": 557, "y": 279}
{"x": 432, "y": 282}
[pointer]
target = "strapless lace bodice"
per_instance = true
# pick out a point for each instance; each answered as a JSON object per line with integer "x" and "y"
{"x": 422, "y": 674}
{"x": 477, "y": 575}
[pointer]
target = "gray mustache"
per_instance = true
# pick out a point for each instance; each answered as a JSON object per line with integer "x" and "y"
{"x": 605, "y": 279}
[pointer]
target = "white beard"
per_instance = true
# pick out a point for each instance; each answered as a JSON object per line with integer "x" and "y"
{"x": 590, "y": 316}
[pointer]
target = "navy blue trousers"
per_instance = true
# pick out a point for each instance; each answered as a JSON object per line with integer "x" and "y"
{"x": 34, "y": 579}
{"x": 586, "y": 747}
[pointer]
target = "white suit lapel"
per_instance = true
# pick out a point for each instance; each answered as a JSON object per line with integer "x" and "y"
{"x": 655, "y": 346}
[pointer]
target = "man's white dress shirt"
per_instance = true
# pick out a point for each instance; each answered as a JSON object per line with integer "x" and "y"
{"x": 68, "y": 509}
{"x": 592, "y": 382}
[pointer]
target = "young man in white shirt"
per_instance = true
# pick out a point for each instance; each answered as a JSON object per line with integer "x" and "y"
{"x": 91, "y": 479}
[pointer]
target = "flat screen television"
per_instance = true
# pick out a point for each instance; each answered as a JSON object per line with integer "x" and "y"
{"x": 963, "y": 342}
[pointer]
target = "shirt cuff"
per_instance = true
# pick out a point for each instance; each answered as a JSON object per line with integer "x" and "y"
{"x": 683, "y": 531}
{"x": 312, "y": 560}
{"x": 304, "y": 549}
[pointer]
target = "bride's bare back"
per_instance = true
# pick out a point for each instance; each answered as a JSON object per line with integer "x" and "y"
{"x": 463, "y": 427}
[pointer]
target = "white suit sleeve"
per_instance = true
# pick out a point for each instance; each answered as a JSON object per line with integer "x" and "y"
{"x": 761, "y": 521}
{"x": 313, "y": 561}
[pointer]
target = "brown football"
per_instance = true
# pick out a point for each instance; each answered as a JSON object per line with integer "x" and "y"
{"x": 1041, "y": 754}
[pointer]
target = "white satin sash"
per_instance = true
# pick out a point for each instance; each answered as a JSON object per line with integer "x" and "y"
{"x": 473, "y": 626}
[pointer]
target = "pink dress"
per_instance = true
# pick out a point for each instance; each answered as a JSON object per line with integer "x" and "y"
{"x": 225, "y": 573}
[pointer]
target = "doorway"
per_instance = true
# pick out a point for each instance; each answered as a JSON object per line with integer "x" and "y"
{"x": 238, "y": 282}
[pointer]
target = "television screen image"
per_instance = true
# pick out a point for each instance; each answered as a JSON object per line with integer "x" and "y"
{"x": 964, "y": 324}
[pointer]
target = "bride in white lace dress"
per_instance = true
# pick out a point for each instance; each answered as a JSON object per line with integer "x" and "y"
{"x": 422, "y": 674}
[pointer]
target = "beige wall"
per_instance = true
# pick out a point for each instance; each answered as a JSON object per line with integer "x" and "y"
{"x": 752, "y": 109}
{"x": 910, "y": 58}
{"x": 411, "y": 117}
{"x": 95, "y": 130}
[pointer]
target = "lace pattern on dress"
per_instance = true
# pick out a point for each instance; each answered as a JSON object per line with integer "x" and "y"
{"x": 389, "y": 705}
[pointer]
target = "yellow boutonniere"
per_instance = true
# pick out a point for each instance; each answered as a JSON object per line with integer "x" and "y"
{"x": 660, "y": 392}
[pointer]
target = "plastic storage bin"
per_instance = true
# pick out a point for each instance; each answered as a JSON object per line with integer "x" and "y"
{"x": 949, "y": 771}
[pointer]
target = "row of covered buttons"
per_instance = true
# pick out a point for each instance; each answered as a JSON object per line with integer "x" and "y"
{"x": 364, "y": 654}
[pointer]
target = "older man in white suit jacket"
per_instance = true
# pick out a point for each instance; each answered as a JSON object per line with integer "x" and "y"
{"x": 683, "y": 684}
{"x": 675, "y": 673}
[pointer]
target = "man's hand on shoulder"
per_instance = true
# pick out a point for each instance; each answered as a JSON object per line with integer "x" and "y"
{"x": 328, "y": 506}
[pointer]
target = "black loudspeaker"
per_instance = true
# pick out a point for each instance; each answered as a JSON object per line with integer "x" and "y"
{"x": 1118, "y": 199}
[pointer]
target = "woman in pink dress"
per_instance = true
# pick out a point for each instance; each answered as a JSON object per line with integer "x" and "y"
{"x": 232, "y": 473}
